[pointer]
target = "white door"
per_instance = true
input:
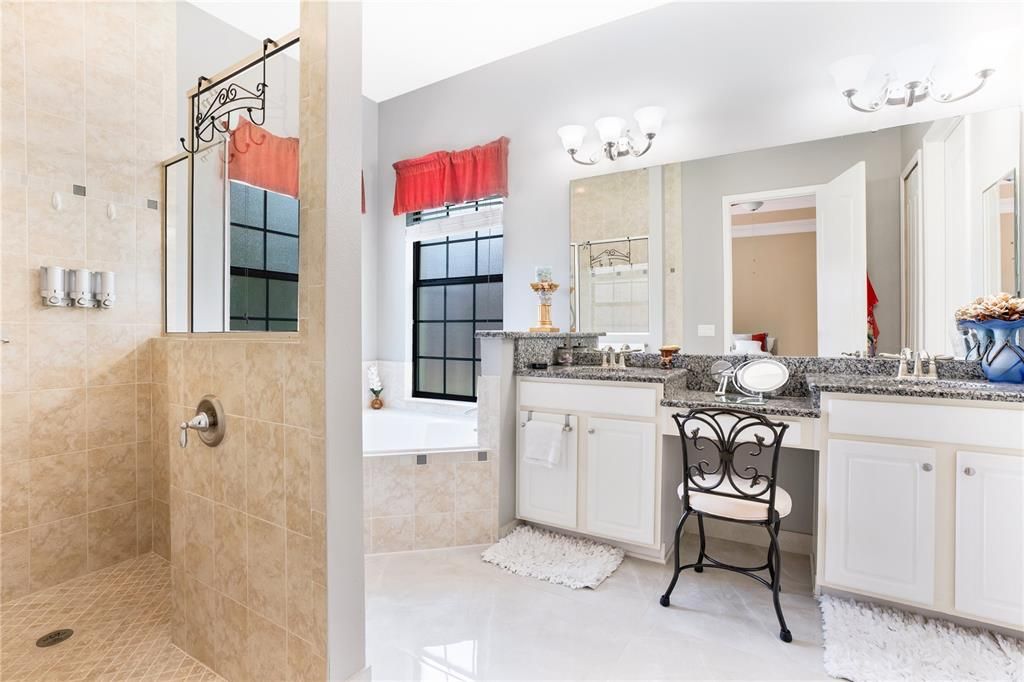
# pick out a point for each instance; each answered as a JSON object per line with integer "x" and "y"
{"x": 990, "y": 536}
{"x": 620, "y": 490}
{"x": 548, "y": 495}
{"x": 880, "y": 519}
{"x": 842, "y": 263}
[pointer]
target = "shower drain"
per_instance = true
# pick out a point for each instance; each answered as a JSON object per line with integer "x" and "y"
{"x": 55, "y": 637}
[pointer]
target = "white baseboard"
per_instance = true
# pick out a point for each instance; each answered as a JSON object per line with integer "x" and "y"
{"x": 797, "y": 543}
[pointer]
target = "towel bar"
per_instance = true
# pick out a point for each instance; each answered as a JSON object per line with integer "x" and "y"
{"x": 566, "y": 427}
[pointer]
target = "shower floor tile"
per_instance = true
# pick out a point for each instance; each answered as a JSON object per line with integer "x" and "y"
{"x": 121, "y": 616}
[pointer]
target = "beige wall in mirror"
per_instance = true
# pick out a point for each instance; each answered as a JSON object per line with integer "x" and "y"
{"x": 940, "y": 226}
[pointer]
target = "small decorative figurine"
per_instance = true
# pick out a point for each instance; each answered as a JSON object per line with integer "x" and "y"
{"x": 376, "y": 387}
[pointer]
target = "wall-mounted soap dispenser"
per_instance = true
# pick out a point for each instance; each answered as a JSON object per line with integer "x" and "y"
{"x": 103, "y": 286}
{"x": 52, "y": 286}
{"x": 79, "y": 287}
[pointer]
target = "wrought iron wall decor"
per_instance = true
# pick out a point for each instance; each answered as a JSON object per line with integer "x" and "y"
{"x": 214, "y": 114}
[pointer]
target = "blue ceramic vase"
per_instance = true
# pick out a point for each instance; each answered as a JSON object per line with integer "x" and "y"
{"x": 1002, "y": 357}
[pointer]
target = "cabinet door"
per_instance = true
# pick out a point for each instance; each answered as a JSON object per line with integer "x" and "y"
{"x": 880, "y": 519}
{"x": 548, "y": 495}
{"x": 990, "y": 536}
{"x": 620, "y": 478}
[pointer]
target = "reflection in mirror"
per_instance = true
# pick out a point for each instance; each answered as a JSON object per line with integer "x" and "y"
{"x": 1003, "y": 262}
{"x": 858, "y": 244}
{"x": 615, "y": 251}
{"x": 234, "y": 264}
{"x": 774, "y": 277}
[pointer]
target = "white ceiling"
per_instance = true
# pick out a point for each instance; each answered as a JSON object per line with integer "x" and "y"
{"x": 407, "y": 45}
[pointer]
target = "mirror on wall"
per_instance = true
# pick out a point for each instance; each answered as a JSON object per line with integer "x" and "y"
{"x": 858, "y": 244}
{"x": 1002, "y": 237}
{"x": 231, "y": 209}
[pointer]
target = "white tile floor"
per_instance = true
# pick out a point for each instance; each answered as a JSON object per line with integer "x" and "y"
{"x": 446, "y": 615}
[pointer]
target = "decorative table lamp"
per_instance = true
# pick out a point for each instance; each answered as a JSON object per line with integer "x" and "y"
{"x": 544, "y": 288}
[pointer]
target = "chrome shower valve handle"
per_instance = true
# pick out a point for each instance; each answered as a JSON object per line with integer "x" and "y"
{"x": 208, "y": 423}
{"x": 200, "y": 422}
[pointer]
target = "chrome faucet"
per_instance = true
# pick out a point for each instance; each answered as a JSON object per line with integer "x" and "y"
{"x": 920, "y": 365}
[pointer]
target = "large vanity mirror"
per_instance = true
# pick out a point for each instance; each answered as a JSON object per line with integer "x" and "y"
{"x": 231, "y": 206}
{"x": 857, "y": 245}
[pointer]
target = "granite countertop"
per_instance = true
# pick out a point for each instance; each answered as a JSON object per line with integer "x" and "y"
{"x": 779, "y": 406}
{"x": 961, "y": 389}
{"x": 514, "y": 334}
{"x": 672, "y": 378}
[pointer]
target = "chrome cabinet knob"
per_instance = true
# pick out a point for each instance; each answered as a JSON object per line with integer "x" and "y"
{"x": 926, "y": 466}
{"x": 590, "y": 430}
{"x": 969, "y": 471}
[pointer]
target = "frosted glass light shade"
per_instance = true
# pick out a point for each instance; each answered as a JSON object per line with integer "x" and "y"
{"x": 610, "y": 128}
{"x": 649, "y": 119}
{"x": 850, "y": 73}
{"x": 572, "y": 137}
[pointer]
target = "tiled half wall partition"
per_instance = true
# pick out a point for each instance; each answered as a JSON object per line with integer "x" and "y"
{"x": 86, "y": 117}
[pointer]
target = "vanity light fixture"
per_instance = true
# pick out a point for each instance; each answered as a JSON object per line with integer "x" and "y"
{"x": 616, "y": 140}
{"x": 910, "y": 79}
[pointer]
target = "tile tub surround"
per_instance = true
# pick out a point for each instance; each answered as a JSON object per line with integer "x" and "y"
{"x": 451, "y": 500}
{"x": 76, "y": 450}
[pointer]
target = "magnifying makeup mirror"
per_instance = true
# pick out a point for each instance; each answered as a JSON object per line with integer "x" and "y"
{"x": 753, "y": 378}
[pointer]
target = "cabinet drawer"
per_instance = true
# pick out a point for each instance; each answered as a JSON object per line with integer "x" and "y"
{"x": 627, "y": 401}
{"x": 800, "y": 433}
{"x": 979, "y": 426}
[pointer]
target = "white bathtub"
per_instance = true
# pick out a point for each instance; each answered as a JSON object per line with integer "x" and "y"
{"x": 401, "y": 432}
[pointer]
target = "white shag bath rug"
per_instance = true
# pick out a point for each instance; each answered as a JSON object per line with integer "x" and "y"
{"x": 559, "y": 559}
{"x": 867, "y": 643}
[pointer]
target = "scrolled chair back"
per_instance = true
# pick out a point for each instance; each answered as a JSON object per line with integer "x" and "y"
{"x": 736, "y": 453}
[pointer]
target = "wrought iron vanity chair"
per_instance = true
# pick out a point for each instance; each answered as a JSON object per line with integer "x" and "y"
{"x": 739, "y": 487}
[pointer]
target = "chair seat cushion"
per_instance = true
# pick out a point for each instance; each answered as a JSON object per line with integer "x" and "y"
{"x": 734, "y": 508}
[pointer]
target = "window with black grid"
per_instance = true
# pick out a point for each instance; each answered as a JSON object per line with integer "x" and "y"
{"x": 457, "y": 290}
{"x": 264, "y": 260}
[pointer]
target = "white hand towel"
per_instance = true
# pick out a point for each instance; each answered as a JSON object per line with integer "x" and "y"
{"x": 543, "y": 443}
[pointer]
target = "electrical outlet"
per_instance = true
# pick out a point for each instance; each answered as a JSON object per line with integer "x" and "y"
{"x": 705, "y": 330}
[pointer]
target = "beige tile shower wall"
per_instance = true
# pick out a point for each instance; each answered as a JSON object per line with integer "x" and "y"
{"x": 247, "y": 523}
{"x": 85, "y": 99}
{"x": 450, "y": 500}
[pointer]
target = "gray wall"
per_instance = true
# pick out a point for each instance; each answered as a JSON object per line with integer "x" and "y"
{"x": 656, "y": 57}
{"x": 706, "y": 181}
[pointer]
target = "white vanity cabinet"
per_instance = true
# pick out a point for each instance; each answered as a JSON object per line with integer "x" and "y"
{"x": 990, "y": 536}
{"x": 548, "y": 495}
{"x": 609, "y": 483}
{"x": 881, "y": 519}
{"x": 921, "y": 502}
{"x": 620, "y": 479}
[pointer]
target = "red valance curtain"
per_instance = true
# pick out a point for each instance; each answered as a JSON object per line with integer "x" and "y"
{"x": 262, "y": 159}
{"x": 443, "y": 178}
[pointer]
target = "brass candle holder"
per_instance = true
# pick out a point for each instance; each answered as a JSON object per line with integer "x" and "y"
{"x": 544, "y": 291}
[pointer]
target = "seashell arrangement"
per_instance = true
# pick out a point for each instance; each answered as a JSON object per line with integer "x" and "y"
{"x": 1000, "y": 306}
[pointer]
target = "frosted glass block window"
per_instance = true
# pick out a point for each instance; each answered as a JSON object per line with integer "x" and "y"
{"x": 457, "y": 290}
{"x": 264, "y": 260}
